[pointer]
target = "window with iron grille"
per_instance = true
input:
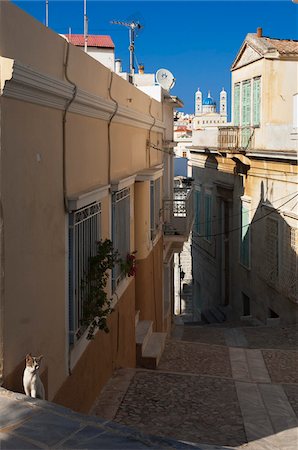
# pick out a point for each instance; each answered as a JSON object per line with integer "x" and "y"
{"x": 154, "y": 207}
{"x": 120, "y": 230}
{"x": 84, "y": 233}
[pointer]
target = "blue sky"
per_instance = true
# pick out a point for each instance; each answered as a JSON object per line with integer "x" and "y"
{"x": 196, "y": 40}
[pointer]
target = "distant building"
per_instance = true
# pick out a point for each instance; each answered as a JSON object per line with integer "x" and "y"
{"x": 207, "y": 119}
{"x": 100, "y": 47}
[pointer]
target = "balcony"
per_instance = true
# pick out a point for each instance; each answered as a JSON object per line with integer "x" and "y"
{"x": 178, "y": 215}
{"x": 236, "y": 139}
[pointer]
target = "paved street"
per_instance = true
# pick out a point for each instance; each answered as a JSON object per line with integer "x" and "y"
{"x": 230, "y": 386}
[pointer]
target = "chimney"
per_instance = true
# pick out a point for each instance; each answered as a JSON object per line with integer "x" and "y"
{"x": 118, "y": 66}
{"x": 141, "y": 69}
{"x": 259, "y": 32}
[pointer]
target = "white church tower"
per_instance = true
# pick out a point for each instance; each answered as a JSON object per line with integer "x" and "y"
{"x": 198, "y": 102}
{"x": 223, "y": 103}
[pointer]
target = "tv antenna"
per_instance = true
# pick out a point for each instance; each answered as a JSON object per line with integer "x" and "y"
{"x": 134, "y": 26}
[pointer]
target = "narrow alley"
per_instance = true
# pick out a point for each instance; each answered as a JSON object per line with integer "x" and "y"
{"x": 228, "y": 385}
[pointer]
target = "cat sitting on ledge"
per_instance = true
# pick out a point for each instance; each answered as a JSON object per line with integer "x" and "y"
{"x": 31, "y": 381}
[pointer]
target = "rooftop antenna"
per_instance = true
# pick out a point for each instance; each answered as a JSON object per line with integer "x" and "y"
{"x": 47, "y": 13}
{"x": 134, "y": 26}
{"x": 85, "y": 27}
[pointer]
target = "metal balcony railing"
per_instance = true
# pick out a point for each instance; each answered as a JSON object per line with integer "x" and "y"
{"x": 178, "y": 213}
{"x": 235, "y": 138}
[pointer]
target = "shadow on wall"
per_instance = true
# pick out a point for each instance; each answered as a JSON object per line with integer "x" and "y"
{"x": 273, "y": 245}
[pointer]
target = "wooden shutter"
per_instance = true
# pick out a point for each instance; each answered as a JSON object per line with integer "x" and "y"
{"x": 256, "y": 101}
{"x": 246, "y": 101}
{"x": 237, "y": 104}
{"x": 197, "y": 211}
{"x": 208, "y": 218}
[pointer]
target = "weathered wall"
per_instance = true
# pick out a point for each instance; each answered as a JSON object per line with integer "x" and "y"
{"x": 107, "y": 352}
{"x": 267, "y": 183}
{"x": 149, "y": 286}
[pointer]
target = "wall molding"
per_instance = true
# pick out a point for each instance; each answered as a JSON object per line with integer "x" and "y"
{"x": 29, "y": 85}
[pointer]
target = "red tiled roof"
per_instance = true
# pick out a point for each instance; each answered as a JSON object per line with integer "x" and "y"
{"x": 94, "y": 40}
{"x": 284, "y": 46}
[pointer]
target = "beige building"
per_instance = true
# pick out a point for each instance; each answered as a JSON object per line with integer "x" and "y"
{"x": 85, "y": 156}
{"x": 245, "y": 238}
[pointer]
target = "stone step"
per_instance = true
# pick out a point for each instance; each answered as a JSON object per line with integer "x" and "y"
{"x": 207, "y": 317}
{"x": 218, "y": 314}
{"x": 143, "y": 333}
{"x": 153, "y": 350}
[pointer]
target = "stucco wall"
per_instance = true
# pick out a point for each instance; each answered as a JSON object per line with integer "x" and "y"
{"x": 271, "y": 183}
{"x": 278, "y": 86}
{"x": 35, "y": 222}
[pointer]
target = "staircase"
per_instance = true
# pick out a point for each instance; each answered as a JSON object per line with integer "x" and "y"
{"x": 216, "y": 314}
{"x": 149, "y": 345}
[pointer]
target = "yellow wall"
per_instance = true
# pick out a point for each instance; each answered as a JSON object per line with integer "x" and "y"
{"x": 35, "y": 222}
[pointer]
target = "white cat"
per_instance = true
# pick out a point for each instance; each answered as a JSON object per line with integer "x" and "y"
{"x": 31, "y": 380}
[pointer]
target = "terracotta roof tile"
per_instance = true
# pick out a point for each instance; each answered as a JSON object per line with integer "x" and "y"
{"x": 284, "y": 46}
{"x": 93, "y": 40}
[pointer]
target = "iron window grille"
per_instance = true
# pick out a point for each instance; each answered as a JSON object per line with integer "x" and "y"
{"x": 120, "y": 231}
{"x": 84, "y": 232}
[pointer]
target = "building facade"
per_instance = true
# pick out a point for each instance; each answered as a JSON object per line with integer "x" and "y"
{"x": 245, "y": 234}
{"x": 85, "y": 156}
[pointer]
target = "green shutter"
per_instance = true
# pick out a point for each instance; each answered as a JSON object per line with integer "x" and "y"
{"x": 208, "y": 218}
{"x": 197, "y": 212}
{"x": 246, "y": 102}
{"x": 245, "y": 237}
{"x": 237, "y": 104}
{"x": 256, "y": 101}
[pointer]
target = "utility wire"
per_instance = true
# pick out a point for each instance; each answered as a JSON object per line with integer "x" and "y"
{"x": 249, "y": 210}
{"x": 252, "y": 222}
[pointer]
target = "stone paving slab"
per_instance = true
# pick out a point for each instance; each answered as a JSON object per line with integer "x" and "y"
{"x": 185, "y": 407}
{"x": 190, "y": 357}
{"x": 282, "y": 365}
{"x": 37, "y": 424}
{"x": 256, "y": 421}
{"x": 256, "y": 366}
{"x": 279, "y": 409}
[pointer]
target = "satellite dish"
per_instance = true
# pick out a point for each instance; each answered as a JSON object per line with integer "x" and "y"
{"x": 165, "y": 79}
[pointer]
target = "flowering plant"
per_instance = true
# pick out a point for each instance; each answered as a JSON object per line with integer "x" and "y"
{"x": 129, "y": 266}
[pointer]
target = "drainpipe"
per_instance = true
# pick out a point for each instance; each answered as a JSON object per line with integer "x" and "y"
{"x": 2, "y": 273}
